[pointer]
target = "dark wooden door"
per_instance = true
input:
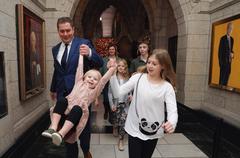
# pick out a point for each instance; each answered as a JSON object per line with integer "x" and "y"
{"x": 172, "y": 49}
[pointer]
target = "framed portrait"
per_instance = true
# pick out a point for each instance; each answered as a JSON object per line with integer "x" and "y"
{"x": 31, "y": 52}
{"x": 3, "y": 98}
{"x": 225, "y": 54}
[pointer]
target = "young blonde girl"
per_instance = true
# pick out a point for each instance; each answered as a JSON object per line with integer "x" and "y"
{"x": 74, "y": 107}
{"x": 119, "y": 106}
{"x": 145, "y": 122}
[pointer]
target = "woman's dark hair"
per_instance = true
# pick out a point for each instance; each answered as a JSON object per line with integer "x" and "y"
{"x": 113, "y": 45}
{"x": 64, "y": 20}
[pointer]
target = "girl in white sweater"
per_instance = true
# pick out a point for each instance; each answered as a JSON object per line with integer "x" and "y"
{"x": 145, "y": 121}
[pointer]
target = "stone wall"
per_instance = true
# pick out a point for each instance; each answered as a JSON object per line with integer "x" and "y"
{"x": 21, "y": 115}
{"x": 219, "y": 102}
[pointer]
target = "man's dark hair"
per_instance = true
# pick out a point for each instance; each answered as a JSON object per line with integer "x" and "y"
{"x": 64, "y": 20}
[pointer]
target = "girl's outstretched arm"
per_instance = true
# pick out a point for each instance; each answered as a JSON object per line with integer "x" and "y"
{"x": 79, "y": 73}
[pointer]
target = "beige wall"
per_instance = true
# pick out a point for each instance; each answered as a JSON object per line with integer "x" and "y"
{"x": 21, "y": 115}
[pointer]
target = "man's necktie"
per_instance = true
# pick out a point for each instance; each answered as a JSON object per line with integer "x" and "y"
{"x": 64, "y": 57}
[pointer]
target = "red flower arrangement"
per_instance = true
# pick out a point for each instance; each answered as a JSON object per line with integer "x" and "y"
{"x": 101, "y": 45}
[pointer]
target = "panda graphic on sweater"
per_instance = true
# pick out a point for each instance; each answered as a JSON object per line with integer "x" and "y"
{"x": 149, "y": 128}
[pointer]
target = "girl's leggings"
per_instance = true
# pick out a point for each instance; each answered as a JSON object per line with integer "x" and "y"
{"x": 74, "y": 115}
{"x": 139, "y": 148}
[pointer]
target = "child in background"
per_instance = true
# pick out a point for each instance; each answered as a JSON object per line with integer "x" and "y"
{"x": 143, "y": 52}
{"x": 75, "y": 106}
{"x": 112, "y": 55}
{"x": 119, "y": 106}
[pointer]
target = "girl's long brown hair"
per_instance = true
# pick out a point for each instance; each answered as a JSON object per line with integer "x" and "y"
{"x": 164, "y": 60}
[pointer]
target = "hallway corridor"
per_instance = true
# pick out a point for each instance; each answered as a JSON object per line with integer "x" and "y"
{"x": 190, "y": 30}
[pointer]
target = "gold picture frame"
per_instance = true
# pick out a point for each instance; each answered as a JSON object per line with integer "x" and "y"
{"x": 224, "y": 72}
{"x": 31, "y": 52}
{"x": 3, "y": 97}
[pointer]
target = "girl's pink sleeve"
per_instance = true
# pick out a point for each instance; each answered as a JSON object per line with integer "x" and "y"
{"x": 103, "y": 81}
{"x": 79, "y": 73}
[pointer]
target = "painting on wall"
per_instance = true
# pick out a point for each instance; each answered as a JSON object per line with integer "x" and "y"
{"x": 225, "y": 56}
{"x": 31, "y": 52}
{"x": 3, "y": 101}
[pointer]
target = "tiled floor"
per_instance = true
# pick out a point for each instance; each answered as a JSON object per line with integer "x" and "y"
{"x": 193, "y": 139}
{"x": 174, "y": 146}
{"x": 104, "y": 144}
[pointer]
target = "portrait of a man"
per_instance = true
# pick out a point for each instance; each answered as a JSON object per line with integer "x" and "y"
{"x": 224, "y": 72}
{"x": 31, "y": 52}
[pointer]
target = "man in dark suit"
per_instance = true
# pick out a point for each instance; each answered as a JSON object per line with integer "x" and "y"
{"x": 225, "y": 56}
{"x": 65, "y": 55}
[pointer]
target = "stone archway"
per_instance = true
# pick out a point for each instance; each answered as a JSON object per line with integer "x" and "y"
{"x": 86, "y": 19}
{"x": 154, "y": 15}
{"x": 151, "y": 7}
{"x": 82, "y": 10}
{"x": 79, "y": 6}
{"x": 181, "y": 11}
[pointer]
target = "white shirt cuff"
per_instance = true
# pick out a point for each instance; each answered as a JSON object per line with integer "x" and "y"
{"x": 90, "y": 54}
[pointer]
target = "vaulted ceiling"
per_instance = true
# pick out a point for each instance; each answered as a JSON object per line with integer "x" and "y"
{"x": 132, "y": 11}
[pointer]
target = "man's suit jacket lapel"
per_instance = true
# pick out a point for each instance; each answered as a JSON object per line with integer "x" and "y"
{"x": 55, "y": 53}
{"x": 56, "y": 50}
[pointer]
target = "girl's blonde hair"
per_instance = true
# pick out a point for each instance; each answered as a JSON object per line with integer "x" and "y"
{"x": 126, "y": 74}
{"x": 164, "y": 60}
{"x": 93, "y": 71}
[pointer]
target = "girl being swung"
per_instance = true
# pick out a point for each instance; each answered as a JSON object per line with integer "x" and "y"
{"x": 74, "y": 107}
